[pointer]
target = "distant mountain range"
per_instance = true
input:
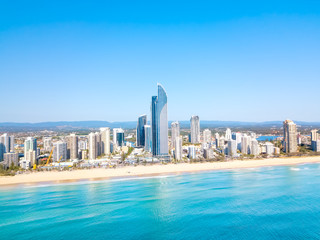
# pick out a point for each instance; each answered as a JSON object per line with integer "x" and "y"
{"x": 85, "y": 125}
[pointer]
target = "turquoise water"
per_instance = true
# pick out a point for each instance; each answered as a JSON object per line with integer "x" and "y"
{"x": 267, "y": 138}
{"x": 262, "y": 203}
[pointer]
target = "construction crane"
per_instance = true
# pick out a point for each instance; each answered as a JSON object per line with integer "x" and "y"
{"x": 50, "y": 156}
{"x": 60, "y": 159}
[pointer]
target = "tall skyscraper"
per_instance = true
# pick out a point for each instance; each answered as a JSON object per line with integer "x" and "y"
{"x": 195, "y": 129}
{"x": 255, "y": 150}
{"x": 228, "y": 134}
{"x": 47, "y": 144}
{"x": 175, "y": 133}
{"x": 159, "y": 124}
{"x": 206, "y": 136}
{"x": 142, "y": 120}
{"x": 105, "y": 140}
{"x": 60, "y": 151}
{"x": 245, "y": 144}
{"x": 232, "y": 148}
{"x": 73, "y": 146}
{"x": 117, "y": 137}
{"x": 290, "y": 136}
{"x": 217, "y": 138}
{"x": 147, "y": 138}
{"x": 98, "y": 143}
{"x": 30, "y": 144}
{"x": 178, "y": 148}
{"x": 92, "y": 146}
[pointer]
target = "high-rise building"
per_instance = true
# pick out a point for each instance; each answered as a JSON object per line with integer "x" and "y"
{"x": 206, "y": 136}
{"x": 255, "y": 150}
{"x": 232, "y": 148}
{"x": 192, "y": 152}
{"x": 245, "y": 144}
{"x": 195, "y": 129}
{"x": 59, "y": 151}
{"x": 217, "y": 138}
{"x": 237, "y": 136}
{"x": 175, "y": 133}
{"x": 98, "y": 143}
{"x": 5, "y": 145}
{"x": 120, "y": 138}
{"x": 228, "y": 134}
{"x": 73, "y": 146}
{"x": 269, "y": 148}
{"x": 47, "y": 144}
{"x": 116, "y": 139}
{"x": 11, "y": 158}
{"x": 147, "y": 138}
{"x": 30, "y": 144}
{"x": 159, "y": 124}
{"x": 178, "y": 148}
{"x": 142, "y": 121}
{"x": 105, "y": 140}
{"x": 92, "y": 142}
{"x": 208, "y": 153}
{"x": 290, "y": 136}
{"x": 314, "y": 139}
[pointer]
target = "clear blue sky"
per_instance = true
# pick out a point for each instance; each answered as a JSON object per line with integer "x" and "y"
{"x": 101, "y": 60}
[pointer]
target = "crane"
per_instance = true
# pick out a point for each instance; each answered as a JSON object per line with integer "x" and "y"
{"x": 50, "y": 156}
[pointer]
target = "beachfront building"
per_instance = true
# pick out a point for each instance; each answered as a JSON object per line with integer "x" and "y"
{"x": 255, "y": 149}
{"x": 290, "y": 137}
{"x": 30, "y": 145}
{"x": 59, "y": 152}
{"x": 142, "y": 121}
{"x": 178, "y": 148}
{"x": 118, "y": 138}
{"x": 175, "y": 133}
{"x": 105, "y": 140}
{"x": 245, "y": 144}
{"x": 228, "y": 135}
{"x": 191, "y": 152}
{"x": 47, "y": 144}
{"x": 11, "y": 159}
{"x": 147, "y": 138}
{"x": 217, "y": 138}
{"x": 206, "y": 136}
{"x": 195, "y": 129}
{"x": 314, "y": 139}
{"x": 269, "y": 148}
{"x": 6, "y": 145}
{"x": 232, "y": 148}
{"x": 159, "y": 124}
{"x": 92, "y": 146}
{"x": 208, "y": 153}
{"x": 72, "y": 147}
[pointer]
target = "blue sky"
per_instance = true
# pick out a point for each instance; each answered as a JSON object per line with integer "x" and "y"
{"x": 101, "y": 60}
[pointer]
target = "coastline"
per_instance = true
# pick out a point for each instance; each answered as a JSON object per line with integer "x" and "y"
{"x": 149, "y": 170}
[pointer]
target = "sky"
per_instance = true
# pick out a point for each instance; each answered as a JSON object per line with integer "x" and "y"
{"x": 102, "y": 60}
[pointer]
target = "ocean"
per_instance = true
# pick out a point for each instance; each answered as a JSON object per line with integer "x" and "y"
{"x": 259, "y": 203}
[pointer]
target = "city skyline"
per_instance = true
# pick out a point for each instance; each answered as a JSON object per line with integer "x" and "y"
{"x": 75, "y": 59}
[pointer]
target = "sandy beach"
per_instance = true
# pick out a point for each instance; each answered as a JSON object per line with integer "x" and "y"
{"x": 101, "y": 173}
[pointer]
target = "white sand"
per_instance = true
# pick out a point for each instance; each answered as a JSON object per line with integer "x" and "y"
{"x": 95, "y": 174}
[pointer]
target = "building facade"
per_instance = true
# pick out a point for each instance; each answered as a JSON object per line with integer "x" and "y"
{"x": 195, "y": 129}
{"x": 159, "y": 124}
{"x": 142, "y": 121}
{"x": 290, "y": 137}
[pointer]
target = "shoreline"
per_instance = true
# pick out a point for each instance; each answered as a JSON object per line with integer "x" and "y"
{"x": 99, "y": 174}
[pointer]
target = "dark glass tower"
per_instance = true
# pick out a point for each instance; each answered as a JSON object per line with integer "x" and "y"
{"x": 142, "y": 120}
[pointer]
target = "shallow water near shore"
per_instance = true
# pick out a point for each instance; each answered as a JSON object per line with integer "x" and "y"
{"x": 279, "y": 202}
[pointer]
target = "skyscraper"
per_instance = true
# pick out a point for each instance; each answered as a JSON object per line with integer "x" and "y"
{"x": 115, "y": 137}
{"x": 245, "y": 144}
{"x": 178, "y": 148}
{"x": 60, "y": 151}
{"x": 206, "y": 136}
{"x": 228, "y": 134}
{"x": 30, "y": 144}
{"x": 105, "y": 140}
{"x": 147, "y": 138}
{"x": 73, "y": 146}
{"x": 255, "y": 150}
{"x": 195, "y": 129}
{"x": 92, "y": 146}
{"x": 175, "y": 133}
{"x": 159, "y": 124}
{"x": 290, "y": 136}
{"x": 232, "y": 148}
{"x": 142, "y": 120}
